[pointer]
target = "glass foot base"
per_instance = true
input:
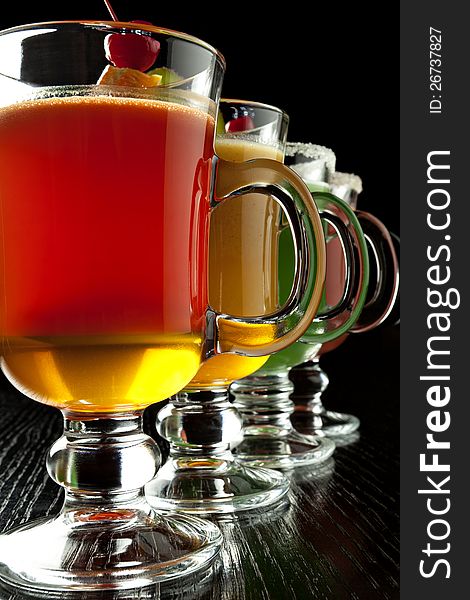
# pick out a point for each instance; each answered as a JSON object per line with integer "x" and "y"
{"x": 214, "y": 486}
{"x": 271, "y": 447}
{"x": 327, "y": 423}
{"x": 87, "y": 549}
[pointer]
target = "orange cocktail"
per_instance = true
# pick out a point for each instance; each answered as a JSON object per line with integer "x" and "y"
{"x": 104, "y": 251}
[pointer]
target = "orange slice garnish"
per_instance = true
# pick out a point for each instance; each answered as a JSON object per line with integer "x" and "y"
{"x": 128, "y": 77}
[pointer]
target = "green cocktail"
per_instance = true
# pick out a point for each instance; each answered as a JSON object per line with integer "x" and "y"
{"x": 310, "y": 381}
{"x": 263, "y": 398}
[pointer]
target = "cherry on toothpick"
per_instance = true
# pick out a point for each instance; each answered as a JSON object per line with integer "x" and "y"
{"x": 244, "y": 123}
{"x": 130, "y": 50}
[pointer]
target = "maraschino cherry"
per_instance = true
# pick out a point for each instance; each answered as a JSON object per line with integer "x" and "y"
{"x": 244, "y": 123}
{"x": 130, "y": 50}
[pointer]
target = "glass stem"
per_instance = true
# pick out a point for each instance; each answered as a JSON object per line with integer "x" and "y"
{"x": 103, "y": 459}
{"x": 310, "y": 381}
{"x": 201, "y": 423}
{"x": 264, "y": 402}
{"x": 270, "y": 438}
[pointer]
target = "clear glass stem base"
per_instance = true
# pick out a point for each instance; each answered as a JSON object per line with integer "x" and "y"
{"x": 269, "y": 439}
{"x": 310, "y": 416}
{"x": 201, "y": 474}
{"x": 107, "y": 536}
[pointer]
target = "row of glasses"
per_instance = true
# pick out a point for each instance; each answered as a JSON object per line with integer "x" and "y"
{"x": 113, "y": 223}
{"x": 309, "y": 379}
{"x": 200, "y": 424}
{"x": 202, "y": 427}
{"x": 205, "y": 477}
{"x": 108, "y": 179}
{"x": 267, "y": 399}
{"x": 264, "y": 397}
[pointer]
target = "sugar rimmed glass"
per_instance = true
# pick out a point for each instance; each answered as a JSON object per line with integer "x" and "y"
{"x": 202, "y": 426}
{"x": 263, "y": 398}
{"x": 309, "y": 379}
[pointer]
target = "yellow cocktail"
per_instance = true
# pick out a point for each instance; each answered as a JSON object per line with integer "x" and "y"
{"x": 243, "y": 262}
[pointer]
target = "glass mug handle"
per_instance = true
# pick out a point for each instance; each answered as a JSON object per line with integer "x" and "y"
{"x": 331, "y": 323}
{"x": 382, "y": 298}
{"x": 394, "y": 317}
{"x": 259, "y": 336}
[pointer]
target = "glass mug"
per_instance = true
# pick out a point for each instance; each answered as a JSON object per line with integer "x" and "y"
{"x": 309, "y": 379}
{"x": 107, "y": 179}
{"x": 201, "y": 474}
{"x": 263, "y": 398}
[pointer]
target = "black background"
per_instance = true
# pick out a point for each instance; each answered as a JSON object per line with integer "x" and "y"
{"x": 323, "y": 63}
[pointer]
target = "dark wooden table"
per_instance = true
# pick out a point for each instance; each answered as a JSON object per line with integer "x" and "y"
{"x": 338, "y": 537}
